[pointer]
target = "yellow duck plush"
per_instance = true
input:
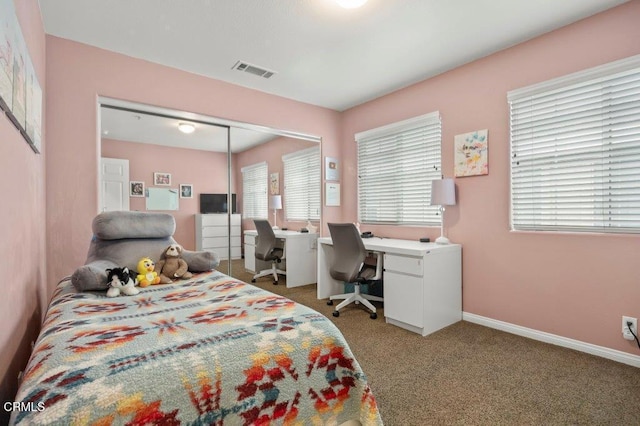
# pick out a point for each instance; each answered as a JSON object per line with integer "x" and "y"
{"x": 146, "y": 274}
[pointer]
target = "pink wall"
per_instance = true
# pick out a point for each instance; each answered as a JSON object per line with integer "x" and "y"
{"x": 77, "y": 74}
{"x": 205, "y": 170}
{"x": 577, "y": 286}
{"x": 272, "y": 153}
{"x": 22, "y": 226}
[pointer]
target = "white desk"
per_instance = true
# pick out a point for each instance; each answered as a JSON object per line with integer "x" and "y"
{"x": 422, "y": 281}
{"x": 299, "y": 260}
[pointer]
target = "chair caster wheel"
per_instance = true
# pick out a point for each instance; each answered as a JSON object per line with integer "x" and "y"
{"x": 336, "y": 313}
{"x": 275, "y": 283}
{"x": 253, "y": 280}
{"x": 330, "y": 302}
{"x": 373, "y": 316}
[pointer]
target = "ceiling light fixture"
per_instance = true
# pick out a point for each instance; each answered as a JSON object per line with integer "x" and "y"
{"x": 186, "y": 128}
{"x": 351, "y": 4}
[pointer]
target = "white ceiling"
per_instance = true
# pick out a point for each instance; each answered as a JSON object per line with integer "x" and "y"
{"x": 322, "y": 54}
{"x": 125, "y": 125}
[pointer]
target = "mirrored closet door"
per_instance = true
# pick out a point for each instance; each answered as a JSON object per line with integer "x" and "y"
{"x": 201, "y": 170}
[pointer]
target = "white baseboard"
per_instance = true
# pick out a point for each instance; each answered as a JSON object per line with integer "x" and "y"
{"x": 601, "y": 351}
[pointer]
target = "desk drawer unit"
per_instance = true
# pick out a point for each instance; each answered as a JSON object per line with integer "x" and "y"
{"x": 250, "y": 253}
{"x": 251, "y": 264}
{"x": 403, "y": 287}
{"x": 422, "y": 281}
{"x": 423, "y": 294}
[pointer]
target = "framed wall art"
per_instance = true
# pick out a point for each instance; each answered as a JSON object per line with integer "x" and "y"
{"x": 186, "y": 190}
{"x": 162, "y": 179}
{"x": 471, "y": 154}
{"x": 20, "y": 91}
{"x": 274, "y": 183}
{"x": 331, "y": 168}
{"x": 136, "y": 188}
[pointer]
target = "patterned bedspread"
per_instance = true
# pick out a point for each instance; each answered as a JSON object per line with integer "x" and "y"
{"x": 211, "y": 350}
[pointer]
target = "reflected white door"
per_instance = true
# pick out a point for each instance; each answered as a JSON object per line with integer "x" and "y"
{"x": 114, "y": 184}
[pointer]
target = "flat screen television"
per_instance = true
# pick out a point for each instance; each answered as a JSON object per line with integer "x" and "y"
{"x": 217, "y": 203}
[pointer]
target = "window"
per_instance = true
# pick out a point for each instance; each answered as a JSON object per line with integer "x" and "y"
{"x": 396, "y": 164}
{"x": 254, "y": 191}
{"x": 575, "y": 148}
{"x": 302, "y": 182}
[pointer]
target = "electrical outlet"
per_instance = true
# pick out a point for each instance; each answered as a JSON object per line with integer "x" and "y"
{"x": 625, "y": 329}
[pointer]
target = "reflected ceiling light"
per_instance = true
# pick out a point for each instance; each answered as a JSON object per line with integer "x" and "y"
{"x": 186, "y": 128}
{"x": 351, "y": 4}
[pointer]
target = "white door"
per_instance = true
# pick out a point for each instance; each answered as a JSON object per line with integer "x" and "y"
{"x": 114, "y": 184}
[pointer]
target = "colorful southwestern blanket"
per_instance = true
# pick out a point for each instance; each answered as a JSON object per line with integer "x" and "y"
{"x": 209, "y": 351}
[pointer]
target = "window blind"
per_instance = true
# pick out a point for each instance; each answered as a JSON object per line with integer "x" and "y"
{"x": 396, "y": 164}
{"x": 302, "y": 182}
{"x": 254, "y": 191}
{"x": 575, "y": 148}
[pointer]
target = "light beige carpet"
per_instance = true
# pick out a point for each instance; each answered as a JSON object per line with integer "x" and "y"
{"x": 467, "y": 374}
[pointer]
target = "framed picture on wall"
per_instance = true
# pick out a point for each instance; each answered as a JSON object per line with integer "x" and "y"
{"x": 163, "y": 179}
{"x": 331, "y": 170}
{"x": 186, "y": 190}
{"x": 136, "y": 188}
{"x": 274, "y": 183}
{"x": 471, "y": 153}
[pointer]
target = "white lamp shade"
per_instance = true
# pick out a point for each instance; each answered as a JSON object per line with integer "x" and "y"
{"x": 276, "y": 202}
{"x": 443, "y": 192}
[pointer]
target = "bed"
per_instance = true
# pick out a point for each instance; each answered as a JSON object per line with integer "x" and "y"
{"x": 210, "y": 350}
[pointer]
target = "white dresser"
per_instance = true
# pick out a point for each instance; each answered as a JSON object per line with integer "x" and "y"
{"x": 212, "y": 234}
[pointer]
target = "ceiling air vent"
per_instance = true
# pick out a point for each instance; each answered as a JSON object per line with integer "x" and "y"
{"x": 252, "y": 69}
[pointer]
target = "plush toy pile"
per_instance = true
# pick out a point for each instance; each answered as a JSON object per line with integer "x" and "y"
{"x": 127, "y": 239}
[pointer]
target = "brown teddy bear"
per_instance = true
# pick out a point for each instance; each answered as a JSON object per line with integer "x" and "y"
{"x": 172, "y": 265}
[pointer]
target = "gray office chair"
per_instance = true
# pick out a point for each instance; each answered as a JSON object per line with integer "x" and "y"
{"x": 266, "y": 250}
{"x": 349, "y": 265}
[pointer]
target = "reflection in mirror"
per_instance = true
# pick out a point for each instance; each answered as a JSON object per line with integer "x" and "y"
{"x": 162, "y": 199}
{"x": 291, "y": 173}
{"x": 152, "y": 143}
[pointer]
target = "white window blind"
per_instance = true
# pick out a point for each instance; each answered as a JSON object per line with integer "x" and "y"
{"x": 575, "y": 148}
{"x": 302, "y": 182}
{"x": 254, "y": 191}
{"x": 396, "y": 164}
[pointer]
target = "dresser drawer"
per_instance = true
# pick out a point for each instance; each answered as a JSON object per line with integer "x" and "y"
{"x": 219, "y": 231}
{"x": 215, "y": 231}
{"x": 214, "y": 242}
{"x": 223, "y": 253}
{"x": 220, "y": 219}
{"x": 404, "y": 264}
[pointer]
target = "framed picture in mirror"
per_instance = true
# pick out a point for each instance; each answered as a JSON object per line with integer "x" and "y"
{"x": 186, "y": 190}
{"x": 162, "y": 179}
{"x": 136, "y": 188}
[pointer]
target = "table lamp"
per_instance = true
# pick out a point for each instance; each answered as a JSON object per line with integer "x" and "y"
{"x": 443, "y": 193}
{"x": 276, "y": 204}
